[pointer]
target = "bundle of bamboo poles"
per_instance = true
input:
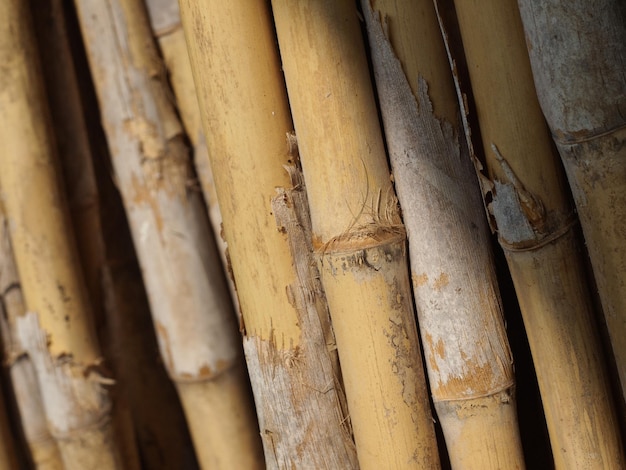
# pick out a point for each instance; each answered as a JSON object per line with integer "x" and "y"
{"x": 323, "y": 174}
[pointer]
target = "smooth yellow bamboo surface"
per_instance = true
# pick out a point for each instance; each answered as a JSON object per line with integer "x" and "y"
{"x": 357, "y": 232}
{"x": 246, "y": 119}
{"x": 536, "y": 226}
{"x": 56, "y": 332}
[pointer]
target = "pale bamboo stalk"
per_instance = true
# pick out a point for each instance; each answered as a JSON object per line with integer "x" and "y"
{"x": 44, "y": 452}
{"x": 578, "y": 65}
{"x": 456, "y": 292}
{"x": 291, "y": 360}
{"x": 75, "y": 156}
{"x": 182, "y": 272}
{"x": 357, "y": 232}
{"x": 167, "y": 28}
{"x": 536, "y": 228}
{"x": 56, "y": 332}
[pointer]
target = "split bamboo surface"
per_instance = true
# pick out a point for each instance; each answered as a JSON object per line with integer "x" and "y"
{"x": 357, "y": 234}
{"x": 56, "y": 331}
{"x": 456, "y": 292}
{"x": 191, "y": 308}
{"x": 582, "y": 92}
{"x": 536, "y": 228}
{"x": 43, "y": 449}
{"x": 290, "y": 354}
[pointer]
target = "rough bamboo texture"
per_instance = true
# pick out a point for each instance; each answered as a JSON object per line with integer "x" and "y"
{"x": 167, "y": 28}
{"x": 456, "y": 292}
{"x": 357, "y": 233}
{"x": 189, "y": 299}
{"x": 56, "y": 332}
{"x": 578, "y": 66}
{"x": 536, "y": 228}
{"x": 43, "y": 449}
{"x": 291, "y": 357}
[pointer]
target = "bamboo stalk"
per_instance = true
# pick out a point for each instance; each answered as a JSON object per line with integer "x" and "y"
{"x": 56, "y": 332}
{"x": 536, "y": 223}
{"x": 578, "y": 63}
{"x": 460, "y": 315}
{"x": 183, "y": 276}
{"x": 167, "y": 28}
{"x": 44, "y": 452}
{"x": 291, "y": 361}
{"x": 357, "y": 233}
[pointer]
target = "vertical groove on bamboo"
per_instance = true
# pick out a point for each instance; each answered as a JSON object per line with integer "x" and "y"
{"x": 456, "y": 291}
{"x": 535, "y": 222}
{"x": 357, "y": 232}
{"x": 182, "y": 272}
{"x": 246, "y": 117}
{"x": 57, "y": 331}
{"x": 578, "y": 66}
{"x": 44, "y": 452}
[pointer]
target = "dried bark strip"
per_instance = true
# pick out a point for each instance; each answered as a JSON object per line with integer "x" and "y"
{"x": 191, "y": 309}
{"x": 246, "y": 116}
{"x": 57, "y": 334}
{"x": 578, "y": 66}
{"x": 357, "y": 233}
{"x": 535, "y": 225}
{"x": 44, "y": 452}
{"x": 456, "y": 292}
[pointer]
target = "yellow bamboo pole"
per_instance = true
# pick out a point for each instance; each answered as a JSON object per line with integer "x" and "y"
{"x": 578, "y": 64}
{"x": 183, "y": 276}
{"x": 291, "y": 360}
{"x": 357, "y": 232}
{"x": 56, "y": 331}
{"x": 167, "y": 28}
{"x": 456, "y": 292}
{"x": 44, "y": 452}
{"x": 535, "y": 223}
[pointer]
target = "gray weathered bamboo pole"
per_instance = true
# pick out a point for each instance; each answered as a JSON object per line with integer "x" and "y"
{"x": 358, "y": 236}
{"x": 189, "y": 299}
{"x": 578, "y": 57}
{"x": 57, "y": 331}
{"x": 456, "y": 291}
{"x": 536, "y": 227}
{"x": 290, "y": 353}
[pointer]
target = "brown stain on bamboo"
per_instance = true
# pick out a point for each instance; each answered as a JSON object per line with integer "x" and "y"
{"x": 441, "y": 281}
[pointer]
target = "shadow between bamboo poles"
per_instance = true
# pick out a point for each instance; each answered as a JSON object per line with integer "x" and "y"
{"x": 183, "y": 276}
{"x": 166, "y": 25}
{"x": 456, "y": 292}
{"x": 578, "y": 66}
{"x": 56, "y": 331}
{"x": 44, "y": 452}
{"x": 357, "y": 233}
{"x": 8, "y": 458}
{"x": 535, "y": 222}
{"x": 245, "y": 115}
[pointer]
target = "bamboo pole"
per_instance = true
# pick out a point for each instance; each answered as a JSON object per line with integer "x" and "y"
{"x": 578, "y": 64}
{"x": 167, "y": 28}
{"x": 357, "y": 232}
{"x": 290, "y": 354}
{"x": 183, "y": 276}
{"x": 56, "y": 332}
{"x": 44, "y": 452}
{"x": 535, "y": 223}
{"x": 456, "y": 292}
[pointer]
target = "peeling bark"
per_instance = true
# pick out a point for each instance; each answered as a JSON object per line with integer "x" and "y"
{"x": 460, "y": 315}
